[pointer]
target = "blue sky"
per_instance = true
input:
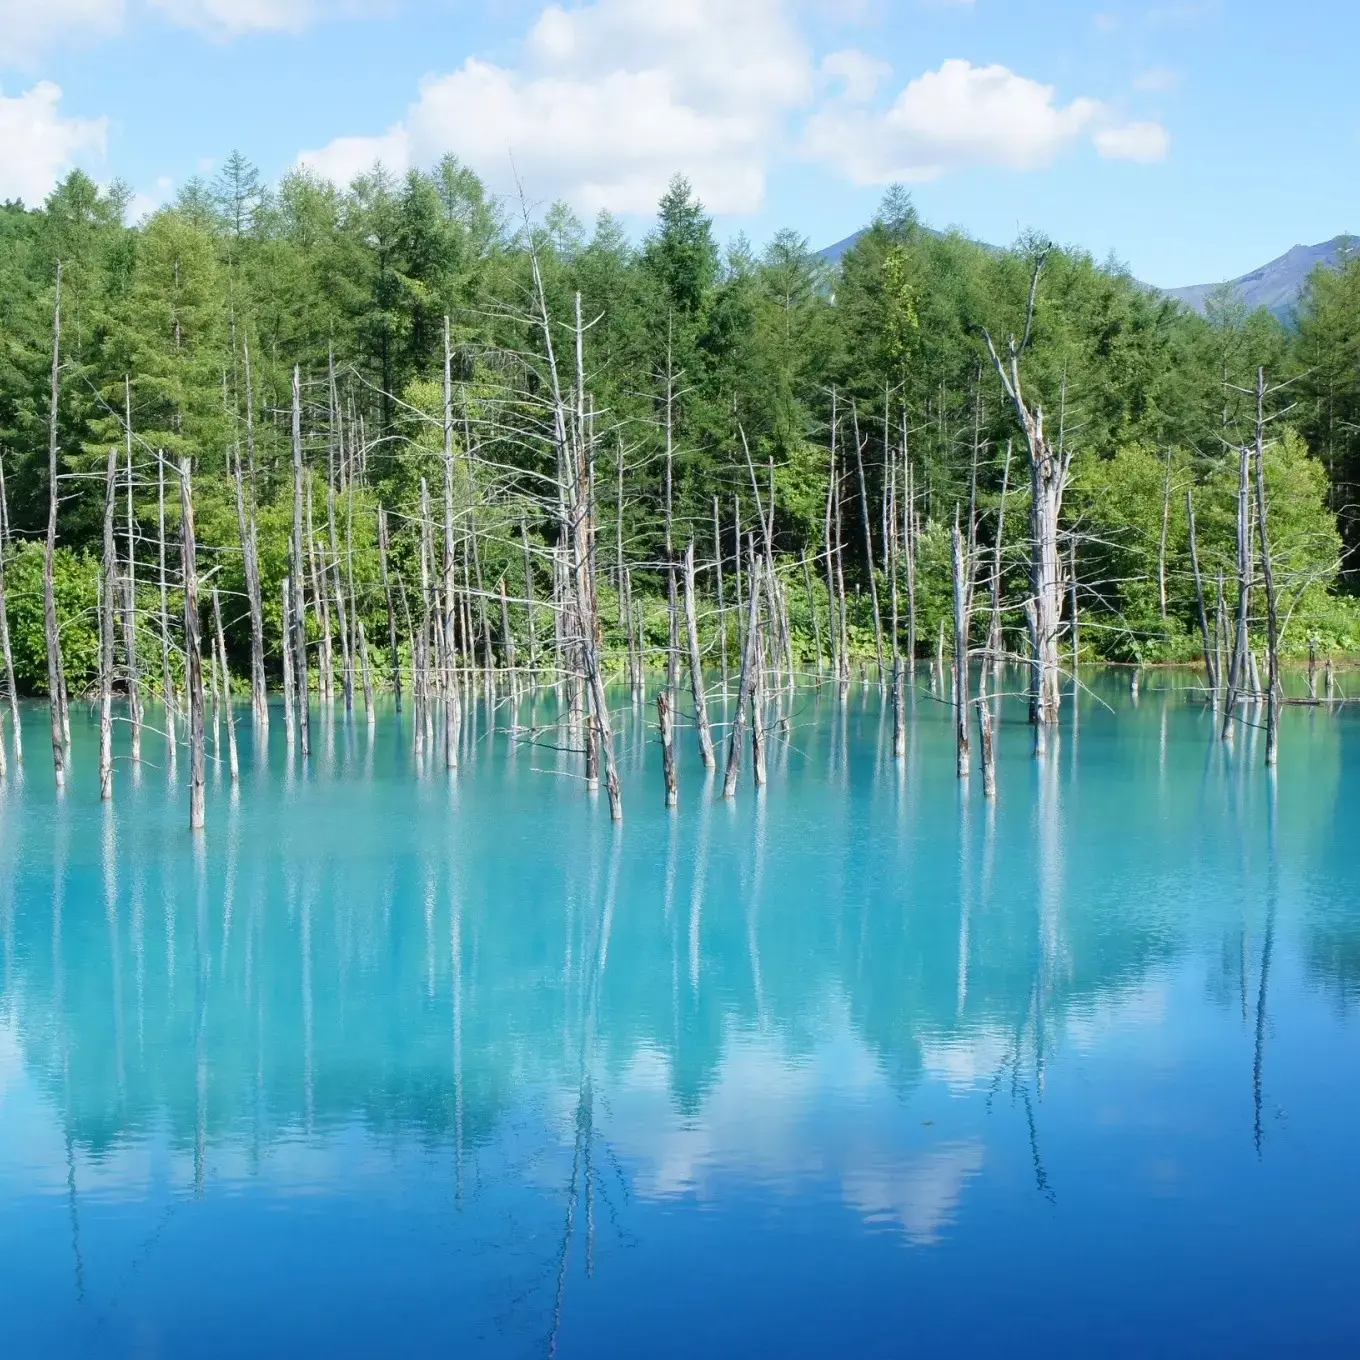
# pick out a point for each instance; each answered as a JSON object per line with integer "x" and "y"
{"x": 1195, "y": 139}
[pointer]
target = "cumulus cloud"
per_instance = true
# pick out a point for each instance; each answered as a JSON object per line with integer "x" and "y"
{"x": 964, "y": 115}
{"x": 613, "y": 98}
{"x": 38, "y": 145}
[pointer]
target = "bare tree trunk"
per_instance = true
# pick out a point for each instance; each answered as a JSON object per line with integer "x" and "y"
{"x": 750, "y": 661}
{"x": 961, "y": 683}
{"x": 812, "y": 614}
{"x": 696, "y": 670}
{"x": 995, "y": 640}
{"x": 986, "y": 737}
{"x": 1236, "y": 672}
{"x": 868, "y": 545}
{"x": 1048, "y": 480}
{"x": 193, "y": 651}
{"x": 391, "y": 613}
{"x": 1268, "y": 578}
{"x": 758, "y": 697}
{"x": 453, "y": 711}
{"x": 11, "y": 688}
{"x": 320, "y": 598}
{"x": 529, "y": 602}
{"x": 299, "y": 575}
{"x": 134, "y": 687}
{"x": 107, "y": 593}
{"x": 1209, "y": 668}
{"x": 50, "y": 634}
{"x": 167, "y": 675}
{"x": 228, "y": 710}
{"x": 1072, "y": 610}
{"x": 1166, "y": 523}
{"x": 250, "y": 559}
{"x": 346, "y": 657}
{"x": 289, "y": 685}
{"x": 369, "y": 712}
{"x": 666, "y": 722}
{"x": 722, "y": 606}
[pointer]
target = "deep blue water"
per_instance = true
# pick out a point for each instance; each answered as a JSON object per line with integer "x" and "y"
{"x": 391, "y": 1063}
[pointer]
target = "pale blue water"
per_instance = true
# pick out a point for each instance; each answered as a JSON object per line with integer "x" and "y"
{"x": 860, "y": 1066}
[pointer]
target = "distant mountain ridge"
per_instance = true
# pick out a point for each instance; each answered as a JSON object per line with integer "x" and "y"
{"x": 1277, "y": 286}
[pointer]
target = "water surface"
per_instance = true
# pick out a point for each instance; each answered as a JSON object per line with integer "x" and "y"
{"x": 391, "y": 1062}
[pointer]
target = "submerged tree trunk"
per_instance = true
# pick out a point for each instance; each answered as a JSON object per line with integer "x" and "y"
{"x": 167, "y": 674}
{"x": 228, "y": 712}
{"x": 50, "y": 633}
{"x": 961, "y": 683}
{"x": 107, "y": 593}
{"x": 395, "y": 655}
{"x": 298, "y": 575}
{"x": 750, "y": 660}
{"x": 134, "y": 686}
{"x": 1237, "y": 671}
{"x": 1268, "y": 579}
{"x": 1210, "y": 670}
{"x": 696, "y": 669}
{"x": 11, "y": 689}
{"x": 1048, "y": 480}
{"x": 665, "y": 721}
{"x": 193, "y": 650}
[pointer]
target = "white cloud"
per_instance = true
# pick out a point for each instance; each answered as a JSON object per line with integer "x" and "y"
{"x": 1143, "y": 142}
{"x": 29, "y": 26}
{"x": 231, "y": 18}
{"x": 858, "y": 74}
{"x": 964, "y": 115}
{"x": 38, "y": 145}
{"x": 615, "y": 96}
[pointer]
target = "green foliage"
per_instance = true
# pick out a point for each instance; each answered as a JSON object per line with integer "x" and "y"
{"x": 75, "y": 580}
{"x": 764, "y": 344}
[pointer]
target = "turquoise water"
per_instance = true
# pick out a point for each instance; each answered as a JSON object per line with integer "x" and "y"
{"x": 391, "y": 1063}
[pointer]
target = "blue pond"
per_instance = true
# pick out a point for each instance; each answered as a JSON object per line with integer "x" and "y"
{"x": 388, "y": 1062}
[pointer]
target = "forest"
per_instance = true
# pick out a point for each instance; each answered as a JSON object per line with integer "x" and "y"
{"x": 371, "y": 387}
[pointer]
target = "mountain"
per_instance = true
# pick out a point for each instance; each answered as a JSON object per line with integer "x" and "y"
{"x": 832, "y": 254}
{"x": 1276, "y": 286}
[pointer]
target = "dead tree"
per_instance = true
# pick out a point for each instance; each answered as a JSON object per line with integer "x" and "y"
{"x": 108, "y": 591}
{"x": 298, "y": 576}
{"x": 1268, "y": 580}
{"x": 1210, "y": 670}
{"x": 453, "y": 717}
{"x": 337, "y": 432}
{"x": 52, "y": 638}
{"x": 250, "y": 551}
{"x": 193, "y": 648}
{"x": 1049, "y": 469}
{"x": 395, "y": 655}
{"x": 961, "y": 681}
{"x": 1237, "y": 671}
{"x": 696, "y": 669}
{"x": 11, "y": 689}
{"x": 750, "y": 660}
{"x": 134, "y": 688}
{"x": 665, "y": 720}
{"x": 289, "y": 685}
{"x": 167, "y": 674}
{"x": 233, "y": 761}
{"x": 868, "y": 543}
